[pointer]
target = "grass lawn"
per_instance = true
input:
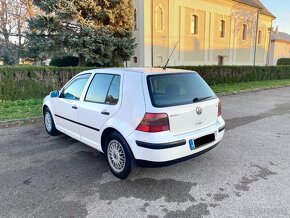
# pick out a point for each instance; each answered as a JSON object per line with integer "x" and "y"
{"x": 249, "y": 86}
{"x": 10, "y": 110}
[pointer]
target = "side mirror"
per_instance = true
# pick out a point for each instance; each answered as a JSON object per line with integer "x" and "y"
{"x": 54, "y": 94}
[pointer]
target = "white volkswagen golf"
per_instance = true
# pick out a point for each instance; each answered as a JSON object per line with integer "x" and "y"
{"x": 145, "y": 115}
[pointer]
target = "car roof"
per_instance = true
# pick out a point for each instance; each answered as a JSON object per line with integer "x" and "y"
{"x": 148, "y": 70}
{"x": 144, "y": 70}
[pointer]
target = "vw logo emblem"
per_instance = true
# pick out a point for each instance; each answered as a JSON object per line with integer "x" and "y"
{"x": 198, "y": 110}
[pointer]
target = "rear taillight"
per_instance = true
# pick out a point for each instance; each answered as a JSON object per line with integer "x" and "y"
{"x": 219, "y": 109}
{"x": 152, "y": 122}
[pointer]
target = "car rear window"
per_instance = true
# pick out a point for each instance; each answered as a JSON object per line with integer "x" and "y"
{"x": 178, "y": 89}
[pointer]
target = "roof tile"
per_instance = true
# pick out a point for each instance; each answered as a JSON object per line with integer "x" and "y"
{"x": 280, "y": 36}
{"x": 257, "y": 4}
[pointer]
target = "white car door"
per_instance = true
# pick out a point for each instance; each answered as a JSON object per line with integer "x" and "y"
{"x": 66, "y": 105}
{"x": 100, "y": 103}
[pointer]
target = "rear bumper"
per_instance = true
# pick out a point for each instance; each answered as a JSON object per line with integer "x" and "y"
{"x": 144, "y": 163}
{"x": 164, "y": 148}
{"x": 168, "y": 144}
{"x": 161, "y": 145}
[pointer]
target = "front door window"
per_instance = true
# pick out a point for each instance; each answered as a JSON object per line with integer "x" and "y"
{"x": 74, "y": 89}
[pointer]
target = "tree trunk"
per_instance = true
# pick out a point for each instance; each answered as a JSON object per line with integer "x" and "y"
{"x": 19, "y": 30}
{"x": 82, "y": 60}
{"x": 6, "y": 38}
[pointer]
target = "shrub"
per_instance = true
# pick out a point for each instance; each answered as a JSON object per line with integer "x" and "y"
{"x": 283, "y": 61}
{"x": 233, "y": 74}
{"x": 66, "y": 61}
{"x": 23, "y": 82}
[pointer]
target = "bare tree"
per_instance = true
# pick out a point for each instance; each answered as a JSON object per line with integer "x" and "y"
{"x": 13, "y": 22}
{"x": 7, "y": 21}
{"x": 29, "y": 7}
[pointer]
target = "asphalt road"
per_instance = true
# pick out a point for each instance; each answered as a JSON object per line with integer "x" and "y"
{"x": 247, "y": 175}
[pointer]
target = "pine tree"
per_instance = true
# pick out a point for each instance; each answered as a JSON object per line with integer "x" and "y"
{"x": 98, "y": 31}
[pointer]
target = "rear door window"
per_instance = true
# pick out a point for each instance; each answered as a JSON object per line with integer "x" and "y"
{"x": 178, "y": 89}
{"x": 104, "y": 89}
{"x": 113, "y": 94}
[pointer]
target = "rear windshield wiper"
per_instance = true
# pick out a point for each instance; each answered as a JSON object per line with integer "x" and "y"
{"x": 201, "y": 99}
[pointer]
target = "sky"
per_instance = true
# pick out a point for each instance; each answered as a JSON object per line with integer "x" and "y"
{"x": 281, "y": 10}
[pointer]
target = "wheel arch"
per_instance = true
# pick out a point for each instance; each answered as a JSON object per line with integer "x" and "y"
{"x": 47, "y": 104}
{"x": 44, "y": 107}
{"x": 106, "y": 133}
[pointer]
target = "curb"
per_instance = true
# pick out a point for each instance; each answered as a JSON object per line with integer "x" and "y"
{"x": 20, "y": 122}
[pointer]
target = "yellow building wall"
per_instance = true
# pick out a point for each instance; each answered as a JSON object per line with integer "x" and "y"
{"x": 244, "y": 47}
{"x": 194, "y": 43}
{"x": 160, "y": 35}
{"x": 221, "y": 45}
{"x": 265, "y": 23}
{"x": 280, "y": 49}
{"x": 205, "y": 47}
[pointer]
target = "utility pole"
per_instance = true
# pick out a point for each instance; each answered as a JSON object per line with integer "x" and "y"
{"x": 152, "y": 37}
{"x": 270, "y": 29}
{"x": 256, "y": 37}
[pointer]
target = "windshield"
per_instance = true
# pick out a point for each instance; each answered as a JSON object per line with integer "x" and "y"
{"x": 178, "y": 89}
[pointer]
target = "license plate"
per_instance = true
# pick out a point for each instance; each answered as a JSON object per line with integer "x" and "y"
{"x": 191, "y": 144}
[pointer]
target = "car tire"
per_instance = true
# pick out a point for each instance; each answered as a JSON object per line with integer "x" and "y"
{"x": 119, "y": 156}
{"x": 49, "y": 123}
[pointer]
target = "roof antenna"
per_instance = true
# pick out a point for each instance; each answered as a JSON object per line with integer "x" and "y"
{"x": 164, "y": 68}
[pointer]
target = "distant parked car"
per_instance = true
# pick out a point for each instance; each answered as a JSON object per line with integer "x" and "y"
{"x": 144, "y": 115}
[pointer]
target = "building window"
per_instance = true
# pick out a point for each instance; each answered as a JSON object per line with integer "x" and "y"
{"x": 194, "y": 24}
{"x": 135, "y": 19}
{"x": 245, "y": 31}
{"x": 259, "y": 37}
{"x": 135, "y": 60}
{"x": 222, "y": 28}
{"x": 220, "y": 60}
{"x": 159, "y": 18}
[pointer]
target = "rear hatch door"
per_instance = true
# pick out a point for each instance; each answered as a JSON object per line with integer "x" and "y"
{"x": 192, "y": 117}
{"x": 186, "y": 98}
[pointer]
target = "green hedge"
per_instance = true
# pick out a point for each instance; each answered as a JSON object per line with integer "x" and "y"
{"x": 66, "y": 61}
{"x": 283, "y": 61}
{"x": 23, "y": 82}
{"x": 233, "y": 74}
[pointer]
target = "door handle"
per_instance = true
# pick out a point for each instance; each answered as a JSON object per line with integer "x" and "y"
{"x": 105, "y": 113}
{"x": 74, "y": 107}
